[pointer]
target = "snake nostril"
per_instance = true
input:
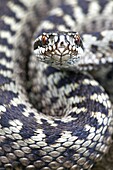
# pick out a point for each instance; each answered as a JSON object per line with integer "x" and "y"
{"x": 62, "y": 43}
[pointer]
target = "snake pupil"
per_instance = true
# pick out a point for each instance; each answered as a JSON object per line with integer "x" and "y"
{"x": 78, "y": 41}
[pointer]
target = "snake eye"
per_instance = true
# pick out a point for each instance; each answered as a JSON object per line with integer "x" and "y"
{"x": 44, "y": 40}
{"x": 78, "y": 41}
{"x": 41, "y": 42}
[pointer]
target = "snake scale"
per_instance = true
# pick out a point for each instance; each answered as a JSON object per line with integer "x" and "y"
{"x": 53, "y": 119}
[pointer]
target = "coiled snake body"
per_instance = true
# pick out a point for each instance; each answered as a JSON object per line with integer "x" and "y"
{"x": 53, "y": 119}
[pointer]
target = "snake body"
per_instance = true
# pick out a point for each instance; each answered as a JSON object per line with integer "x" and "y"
{"x": 53, "y": 119}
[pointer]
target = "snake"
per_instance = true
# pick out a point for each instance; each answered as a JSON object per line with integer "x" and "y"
{"x": 53, "y": 114}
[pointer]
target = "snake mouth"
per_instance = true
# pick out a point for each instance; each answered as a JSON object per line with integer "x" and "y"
{"x": 59, "y": 49}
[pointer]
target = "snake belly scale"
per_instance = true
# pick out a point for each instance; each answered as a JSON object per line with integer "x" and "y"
{"x": 53, "y": 119}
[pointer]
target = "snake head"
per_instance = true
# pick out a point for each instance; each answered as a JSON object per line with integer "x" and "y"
{"x": 61, "y": 49}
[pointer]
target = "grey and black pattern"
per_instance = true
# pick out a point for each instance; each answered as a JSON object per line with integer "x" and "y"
{"x": 53, "y": 119}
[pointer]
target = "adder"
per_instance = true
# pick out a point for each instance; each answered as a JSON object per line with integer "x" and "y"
{"x": 53, "y": 114}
